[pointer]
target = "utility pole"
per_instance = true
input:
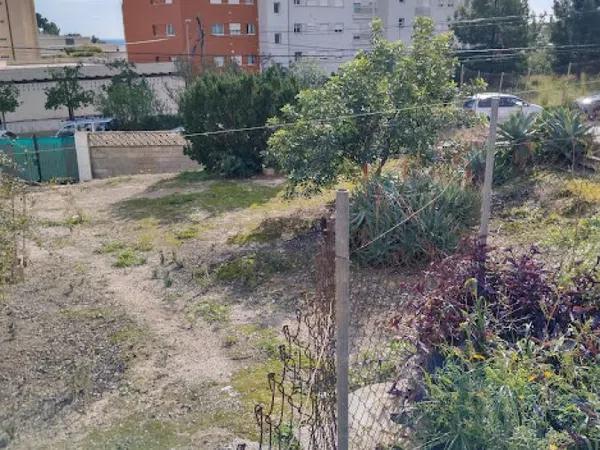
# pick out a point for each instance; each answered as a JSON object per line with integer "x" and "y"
{"x": 342, "y": 313}
{"x": 486, "y": 193}
{"x": 187, "y": 39}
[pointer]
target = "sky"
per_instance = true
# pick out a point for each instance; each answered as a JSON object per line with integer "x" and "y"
{"x": 102, "y": 18}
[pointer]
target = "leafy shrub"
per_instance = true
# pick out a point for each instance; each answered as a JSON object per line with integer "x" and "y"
{"x": 384, "y": 231}
{"x": 566, "y": 136}
{"x": 518, "y": 134}
{"x": 522, "y": 298}
{"x": 526, "y": 396}
{"x": 232, "y": 100}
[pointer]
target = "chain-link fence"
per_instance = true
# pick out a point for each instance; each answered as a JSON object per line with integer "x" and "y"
{"x": 302, "y": 411}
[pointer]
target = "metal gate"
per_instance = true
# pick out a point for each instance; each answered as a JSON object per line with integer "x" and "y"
{"x": 41, "y": 159}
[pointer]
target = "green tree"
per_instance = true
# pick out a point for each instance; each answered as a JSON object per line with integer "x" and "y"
{"x": 232, "y": 99}
{"x": 489, "y": 29}
{"x": 46, "y": 26}
{"x": 308, "y": 73}
{"x": 128, "y": 97}
{"x": 67, "y": 91}
{"x": 575, "y": 35}
{"x": 393, "y": 100}
{"x": 9, "y": 100}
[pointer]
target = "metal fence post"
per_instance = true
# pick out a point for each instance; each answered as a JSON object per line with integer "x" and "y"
{"x": 501, "y": 82}
{"x": 486, "y": 193}
{"x": 342, "y": 316}
{"x": 36, "y": 149}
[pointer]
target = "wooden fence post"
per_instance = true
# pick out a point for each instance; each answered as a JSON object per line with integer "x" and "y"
{"x": 342, "y": 313}
{"x": 569, "y": 70}
{"x": 462, "y": 74}
{"x": 501, "y": 82}
{"x": 486, "y": 193}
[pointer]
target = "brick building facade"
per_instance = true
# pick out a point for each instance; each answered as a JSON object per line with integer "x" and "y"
{"x": 208, "y": 32}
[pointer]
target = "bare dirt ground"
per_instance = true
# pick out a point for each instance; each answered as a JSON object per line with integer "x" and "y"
{"x": 149, "y": 313}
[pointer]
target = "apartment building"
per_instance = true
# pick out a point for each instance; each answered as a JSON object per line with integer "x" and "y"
{"x": 332, "y": 31}
{"x": 258, "y": 33}
{"x": 306, "y": 29}
{"x": 18, "y": 31}
{"x": 207, "y": 32}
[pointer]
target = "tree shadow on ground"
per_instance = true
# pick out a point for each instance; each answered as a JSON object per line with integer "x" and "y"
{"x": 214, "y": 198}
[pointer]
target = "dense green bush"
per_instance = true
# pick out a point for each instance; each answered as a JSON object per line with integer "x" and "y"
{"x": 526, "y": 396}
{"x": 233, "y": 99}
{"x": 383, "y": 206}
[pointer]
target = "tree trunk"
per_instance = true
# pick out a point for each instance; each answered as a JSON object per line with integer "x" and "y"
{"x": 3, "y": 120}
{"x": 71, "y": 113}
{"x": 381, "y": 164}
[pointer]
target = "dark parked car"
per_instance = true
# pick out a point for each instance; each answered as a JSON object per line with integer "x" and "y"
{"x": 590, "y": 105}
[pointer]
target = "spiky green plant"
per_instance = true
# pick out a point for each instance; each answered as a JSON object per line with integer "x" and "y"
{"x": 565, "y": 135}
{"x": 406, "y": 222}
{"x": 518, "y": 134}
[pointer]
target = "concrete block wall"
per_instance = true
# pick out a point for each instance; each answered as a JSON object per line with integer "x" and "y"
{"x": 109, "y": 162}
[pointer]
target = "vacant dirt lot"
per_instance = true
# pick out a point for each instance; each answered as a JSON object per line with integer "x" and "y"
{"x": 150, "y": 312}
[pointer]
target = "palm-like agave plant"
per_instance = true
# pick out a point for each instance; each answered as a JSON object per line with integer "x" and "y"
{"x": 565, "y": 135}
{"x": 518, "y": 133}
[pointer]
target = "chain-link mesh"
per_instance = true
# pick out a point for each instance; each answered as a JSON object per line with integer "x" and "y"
{"x": 379, "y": 361}
{"x": 301, "y": 414}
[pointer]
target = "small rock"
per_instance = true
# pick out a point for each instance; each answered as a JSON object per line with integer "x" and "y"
{"x": 4, "y": 440}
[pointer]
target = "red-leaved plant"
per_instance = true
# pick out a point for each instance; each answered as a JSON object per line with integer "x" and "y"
{"x": 519, "y": 295}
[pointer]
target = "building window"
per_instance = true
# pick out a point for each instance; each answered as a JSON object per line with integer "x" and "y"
{"x": 338, "y": 28}
{"x": 297, "y": 2}
{"x": 401, "y": 22}
{"x": 356, "y": 37}
{"x": 297, "y": 28}
{"x": 215, "y": 2}
{"x": 248, "y": 2}
{"x": 235, "y": 29}
{"x": 251, "y": 59}
{"x": 277, "y": 38}
{"x": 250, "y": 28}
{"x": 237, "y": 60}
{"x": 276, "y": 7}
{"x": 233, "y": 2}
{"x": 297, "y": 56}
{"x": 219, "y": 61}
{"x": 170, "y": 29}
{"x": 218, "y": 29}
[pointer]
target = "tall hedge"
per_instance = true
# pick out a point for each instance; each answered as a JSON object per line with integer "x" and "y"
{"x": 232, "y": 99}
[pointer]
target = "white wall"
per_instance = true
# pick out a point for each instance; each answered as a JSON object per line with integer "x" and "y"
{"x": 317, "y": 40}
{"x": 32, "y": 116}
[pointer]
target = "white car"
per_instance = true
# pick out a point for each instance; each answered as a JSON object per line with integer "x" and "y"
{"x": 5, "y": 134}
{"x": 509, "y": 104}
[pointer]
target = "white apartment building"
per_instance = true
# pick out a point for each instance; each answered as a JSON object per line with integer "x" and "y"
{"x": 332, "y": 31}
